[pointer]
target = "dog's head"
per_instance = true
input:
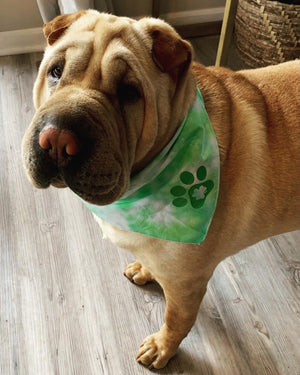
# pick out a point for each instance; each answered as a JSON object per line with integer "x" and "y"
{"x": 107, "y": 90}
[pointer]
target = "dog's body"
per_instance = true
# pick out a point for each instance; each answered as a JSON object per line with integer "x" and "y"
{"x": 255, "y": 115}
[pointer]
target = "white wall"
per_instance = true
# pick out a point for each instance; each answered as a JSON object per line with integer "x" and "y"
{"x": 177, "y": 12}
{"x": 132, "y": 8}
{"x": 24, "y": 14}
{"x": 21, "y": 23}
{"x": 19, "y": 14}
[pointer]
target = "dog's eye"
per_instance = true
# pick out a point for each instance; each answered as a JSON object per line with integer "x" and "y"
{"x": 128, "y": 93}
{"x": 55, "y": 72}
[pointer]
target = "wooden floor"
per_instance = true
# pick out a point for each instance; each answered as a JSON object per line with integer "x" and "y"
{"x": 66, "y": 308}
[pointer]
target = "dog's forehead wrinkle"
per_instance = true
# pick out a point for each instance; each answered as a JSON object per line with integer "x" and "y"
{"x": 81, "y": 40}
{"x": 121, "y": 58}
{"x": 108, "y": 28}
{"x": 109, "y": 36}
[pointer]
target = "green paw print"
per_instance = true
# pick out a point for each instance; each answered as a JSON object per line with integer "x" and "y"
{"x": 196, "y": 194}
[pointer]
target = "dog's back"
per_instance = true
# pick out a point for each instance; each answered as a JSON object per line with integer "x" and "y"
{"x": 256, "y": 117}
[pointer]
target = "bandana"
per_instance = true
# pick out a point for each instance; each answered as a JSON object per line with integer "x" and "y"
{"x": 175, "y": 196}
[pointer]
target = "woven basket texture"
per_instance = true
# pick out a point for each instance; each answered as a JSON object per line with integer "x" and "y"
{"x": 267, "y": 32}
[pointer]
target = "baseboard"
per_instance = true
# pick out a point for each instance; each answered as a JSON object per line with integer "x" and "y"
{"x": 21, "y": 41}
{"x": 199, "y": 29}
{"x": 198, "y": 22}
{"x": 196, "y": 16}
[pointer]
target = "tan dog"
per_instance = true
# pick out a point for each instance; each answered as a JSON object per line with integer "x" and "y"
{"x": 111, "y": 93}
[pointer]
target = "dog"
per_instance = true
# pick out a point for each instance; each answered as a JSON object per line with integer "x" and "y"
{"x": 111, "y": 94}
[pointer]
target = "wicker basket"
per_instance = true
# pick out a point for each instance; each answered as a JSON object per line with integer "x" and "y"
{"x": 267, "y": 32}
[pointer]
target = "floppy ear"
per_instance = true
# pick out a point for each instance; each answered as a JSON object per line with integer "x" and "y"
{"x": 55, "y": 28}
{"x": 171, "y": 53}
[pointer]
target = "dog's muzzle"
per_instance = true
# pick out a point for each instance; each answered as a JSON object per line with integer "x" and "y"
{"x": 73, "y": 150}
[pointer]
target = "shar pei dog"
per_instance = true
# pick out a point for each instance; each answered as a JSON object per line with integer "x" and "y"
{"x": 183, "y": 165}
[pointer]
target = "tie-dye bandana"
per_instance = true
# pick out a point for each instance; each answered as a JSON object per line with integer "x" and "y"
{"x": 175, "y": 196}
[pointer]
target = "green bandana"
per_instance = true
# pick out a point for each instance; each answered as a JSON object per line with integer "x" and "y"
{"x": 175, "y": 196}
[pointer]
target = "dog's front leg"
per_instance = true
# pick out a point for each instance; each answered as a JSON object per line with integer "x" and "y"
{"x": 183, "y": 273}
{"x": 182, "y": 304}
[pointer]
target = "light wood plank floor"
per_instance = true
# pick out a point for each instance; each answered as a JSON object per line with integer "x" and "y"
{"x": 66, "y": 308}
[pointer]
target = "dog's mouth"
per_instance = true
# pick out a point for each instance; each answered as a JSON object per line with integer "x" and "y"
{"x": 99, "y": 188}
{"x": 57, "y": 182}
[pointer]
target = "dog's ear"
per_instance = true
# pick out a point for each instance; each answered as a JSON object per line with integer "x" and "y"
{"x": 55, "y": 28}
{"x": 170, "y": 53}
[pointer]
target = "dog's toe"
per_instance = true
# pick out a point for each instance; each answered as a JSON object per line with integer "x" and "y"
{"x": 154, "y": 353}
{"x": 147, "y": 355}
{"x": 138, "y": 274}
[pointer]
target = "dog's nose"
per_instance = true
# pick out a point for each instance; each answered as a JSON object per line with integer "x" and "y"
{"x": 60, "y": 143}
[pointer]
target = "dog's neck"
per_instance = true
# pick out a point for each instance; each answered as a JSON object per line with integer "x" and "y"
{"x": 174, "y": 197}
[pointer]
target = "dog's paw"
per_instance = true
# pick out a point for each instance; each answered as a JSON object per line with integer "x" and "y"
{"x": 138, "y": 274}
{"x": 154, "y": 352}
{"x": 192, "y": 192}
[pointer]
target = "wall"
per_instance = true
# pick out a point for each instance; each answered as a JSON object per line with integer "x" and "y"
{"x": 19, "y": 14}
{"x": 23, "y": 14}
{"x": 135, "y": 8}
{"x": 176, "y": 12}
{"x": 21, "y": 23}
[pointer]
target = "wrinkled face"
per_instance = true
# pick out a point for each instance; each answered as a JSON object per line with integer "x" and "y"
{"x": 103, "y": 101}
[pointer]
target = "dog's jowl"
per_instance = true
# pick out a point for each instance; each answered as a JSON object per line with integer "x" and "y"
{"x": 181, "y": 164}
